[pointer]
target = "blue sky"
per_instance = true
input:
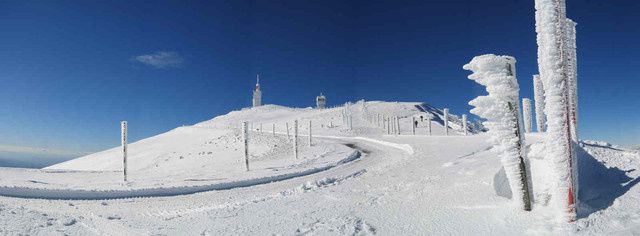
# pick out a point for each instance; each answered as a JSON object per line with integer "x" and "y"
{"x": 71, "y": 70}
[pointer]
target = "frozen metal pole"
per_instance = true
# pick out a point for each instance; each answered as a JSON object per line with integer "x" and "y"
{"x": 273, "y": 129}
{"x": 310, "y": 134}
{"x": 260, "y": 127}
{"x": 464, "y": 124}
{"x": 295, "y": 139}
{"x": 429, "y": 125}
{"x": 288, "y": 135}
{"x": 388, "y": 125}
{"x": 397, "y": 125}
{"x": 526, "y": 112}
{"x": 350, "y": 122}
{"x": 413, "y": 125}
{"x": 245, "y": 139}
{"x": 123, "y": 135}
{"x": 446, "y": 121}
{"x": 538, "y": 97}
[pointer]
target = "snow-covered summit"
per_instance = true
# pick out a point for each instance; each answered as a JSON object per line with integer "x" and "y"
{"x": 200, "y": 146}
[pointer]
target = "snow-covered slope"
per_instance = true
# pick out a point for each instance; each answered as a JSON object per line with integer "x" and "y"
{"x": 350, "y": 182}
{"x": 209, "y": 155}
{"x": 217, "y": 142}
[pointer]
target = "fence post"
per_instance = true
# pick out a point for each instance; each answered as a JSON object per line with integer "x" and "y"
{"x": 123, "y": 135}
{"x": 245, "y": 138}
{"x": 413, "y": 125}
{"x": 464, "y": 124}
{"x": 310, "y": 134}
{"x": 526, "y": 112}
{"x": 429, "y": 125}
{"x": 273, "y": 129}
{"x": 446, "y": 121}
{"x": 350, "y": 122}
{"x": 295, "y": 138}
{"x": 388, "y": 125}
{"x": 288, "y": 136}
{"x": 397, "y": 125}
{"x": 538, "y": 97}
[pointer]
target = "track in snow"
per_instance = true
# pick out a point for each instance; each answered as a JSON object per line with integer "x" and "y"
{"x": 84, "y": 194}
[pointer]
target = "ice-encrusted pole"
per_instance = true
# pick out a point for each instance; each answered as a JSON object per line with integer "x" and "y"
{"x": 295, "y": 139}
{"x": 388, "y": 125}
{"x": 552, "y": 63}
{"x": 538, "y": 97}
{"x": 123, "y": 139}
{"x": 273, "y": 129}
{"x": 446, "y": 121}
{"x": 572, "y": 74}
{"x": 464, "y": 124}
{"x": 310, "y": 134}
{"x": 526, "y": 112}
{"x": 501, "y": 109}
{"x": 413, "y": 125}
{"x": 288, "y": 135}
{"x": 260, "y": 127}
{"x": 397, "y": 125}
{"x": 429, "y": 125}
{"x": 245, "y": 140}
{"x": 350, "y": 122}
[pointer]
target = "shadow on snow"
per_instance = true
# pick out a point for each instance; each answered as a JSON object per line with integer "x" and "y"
{"x": 599, "y": 186}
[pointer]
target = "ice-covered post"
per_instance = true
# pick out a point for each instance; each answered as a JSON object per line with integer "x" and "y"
{"x": 538, "y": 97}
{"x": 350, "y": 122}
{"x": 572, "y": 75}
{"x": 273, "y": 129}
{"x": 464, "y": 124}
{"x": 388, "y": 125}
{"x": 260, "y": 127}
{"x": 526, "y": 112}
{"x": 245, "y": 140}
{"x": 446, "y": 121}
{"x": 429, "y": 125}
{"x": 123, "y": 136}
{"x": 288, "y": 135}
{"x": 295, "y": 139}
{"x": 501, "y": 109}
{"x": 552, "y": 64}
{"x": 397, "y": 125}
{"x": 310, "y": 133}
{"x": 413, "y": 125}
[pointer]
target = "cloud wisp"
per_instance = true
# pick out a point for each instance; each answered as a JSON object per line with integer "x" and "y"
{"x": 162, "y": 59}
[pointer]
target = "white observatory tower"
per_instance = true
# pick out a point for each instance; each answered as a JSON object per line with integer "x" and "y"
{"x": 321, "y": 101}
{"x": 257, "y": 94}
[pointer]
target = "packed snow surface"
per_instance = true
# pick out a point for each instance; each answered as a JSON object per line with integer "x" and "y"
{"x": 349, "y": 182}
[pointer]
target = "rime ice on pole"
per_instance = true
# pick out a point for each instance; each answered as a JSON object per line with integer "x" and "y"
{"x": 501, "y": 109}
{"x": 526, "y": 113}
{"x": 538, "y": 97}
{"x": 552, "y": 62}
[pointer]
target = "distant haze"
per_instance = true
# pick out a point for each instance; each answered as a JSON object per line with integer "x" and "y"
{"x": 29, "y": 161}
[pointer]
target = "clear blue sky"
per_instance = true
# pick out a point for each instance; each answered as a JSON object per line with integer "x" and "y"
{"x": 71, "y": 70}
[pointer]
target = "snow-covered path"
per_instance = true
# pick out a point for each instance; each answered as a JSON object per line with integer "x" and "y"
{"x": 387, "y": 191}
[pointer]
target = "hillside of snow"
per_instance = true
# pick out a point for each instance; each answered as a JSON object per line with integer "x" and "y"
{"x": 359, "y": 181}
